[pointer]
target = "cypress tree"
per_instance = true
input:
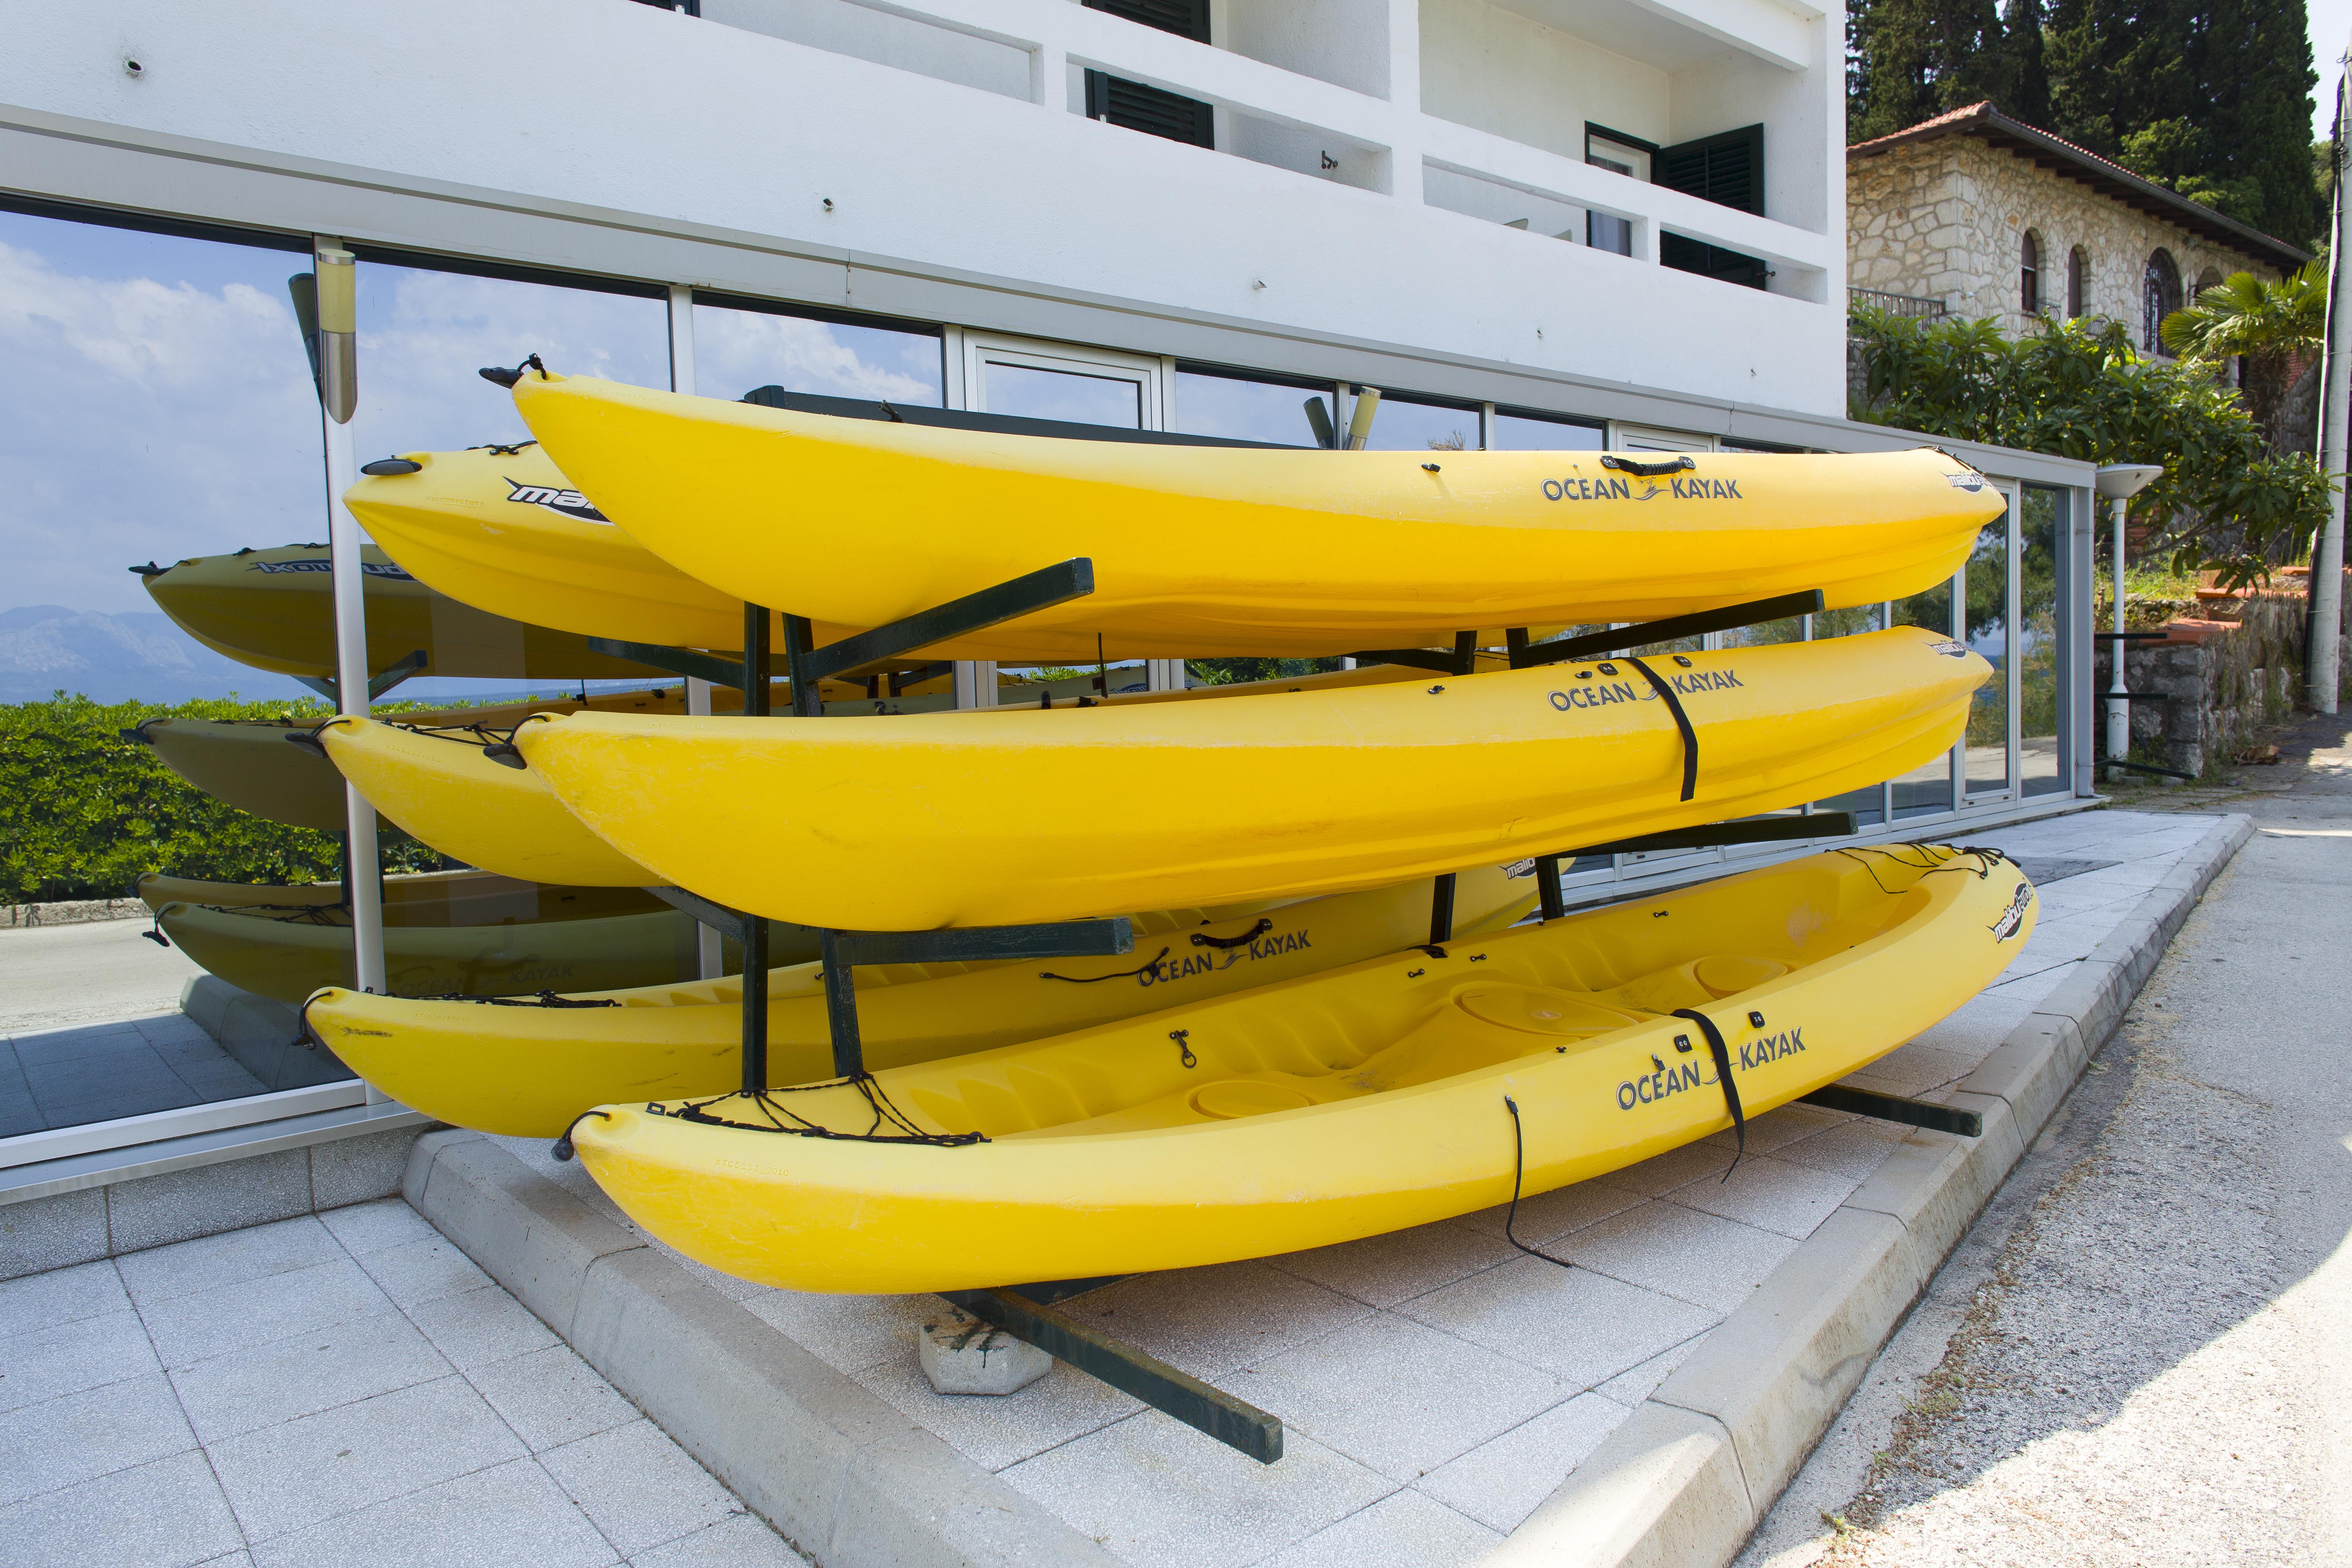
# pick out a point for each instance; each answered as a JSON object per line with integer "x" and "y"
{"x": 1909, "y": 60}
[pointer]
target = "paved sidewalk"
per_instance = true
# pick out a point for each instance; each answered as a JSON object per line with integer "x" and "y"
{"x": 2138, "y": 1356}
{"x": 343, "y": 1389}
{"x": 1436, "y": 1386}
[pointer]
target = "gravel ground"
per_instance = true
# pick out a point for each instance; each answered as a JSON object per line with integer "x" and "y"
{"x": 2140, "y": 1353}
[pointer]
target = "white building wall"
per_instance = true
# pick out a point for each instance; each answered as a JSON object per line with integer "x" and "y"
{"x": 665, "y": 126}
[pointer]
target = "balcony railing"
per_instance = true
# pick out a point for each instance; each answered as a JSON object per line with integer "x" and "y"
{"x": 1896, "y": 304}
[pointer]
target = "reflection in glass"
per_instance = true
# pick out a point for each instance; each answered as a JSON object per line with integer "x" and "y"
{"x": 157, "y": 406}
{"x": 1245, "y": 410}
{"x": 1792, "y": 629}
{"x": 1929, "y": 787}
{"x": 1850, "y": 621}
{"x": 1401, "y": 424}
{"x": 2037, "y": 638}
{"x": 1988, "y": 634}
{"x": 1535, "y": 433}
{"x": 736, "y": 350}
{"x": 1035, "y": 393}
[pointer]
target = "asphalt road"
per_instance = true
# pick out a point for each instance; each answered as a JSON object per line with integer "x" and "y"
{"x": 2142, "y": 1352}
{"x": 55, "y": 976}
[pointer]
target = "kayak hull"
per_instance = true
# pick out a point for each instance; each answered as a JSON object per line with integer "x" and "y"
{"x": 1350, "y": 1104}
{"x": 528, "y": 1071}
{"x": 1223, "y": 551}
{"x": 894, "y": 824}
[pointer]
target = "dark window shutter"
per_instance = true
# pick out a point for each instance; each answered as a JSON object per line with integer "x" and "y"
{"x": 1727, "y": 169}
{"x": 1150, "y": 110}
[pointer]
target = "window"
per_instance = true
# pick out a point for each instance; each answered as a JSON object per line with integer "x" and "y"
{"x": 2078, "y": 282}
{"x": 1727, "y": 169}
{"x": 1517, "y": 430}
{"x": 1150, "y": 110}
{"x": 739, "y": 344}
{"x": 1404, "y": 424}
{"x": 1620, "y": 154}
{"x": 2159, "y": 297}
{"x": 1240, "y": 406}
{"x": 1058, "y": 381}
{"x": 2029, "y": 274}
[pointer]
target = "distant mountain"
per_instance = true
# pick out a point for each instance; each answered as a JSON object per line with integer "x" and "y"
{"x": 141, "y": 656}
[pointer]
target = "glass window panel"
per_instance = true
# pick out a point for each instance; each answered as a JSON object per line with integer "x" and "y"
{"x": 1035, "y": 393}
{"x": 1868, "y": 805}
{"x": 1988, "y": 634}
{"x": 1792, "y": 629}
{"x": 1534, "y": 433}
{"x": 1245, "y": 410}
{"x": 422, "y": 333}
{"x": 1931, "y": 611}
{"x": 737, "y": 350}
{"x": 2039, "y": 535}
{"x": 1850, "y": 621}
{"x": 1926, "y": 788}
{"x": 157, "y": 406}
{"x": 1401, "y": 424}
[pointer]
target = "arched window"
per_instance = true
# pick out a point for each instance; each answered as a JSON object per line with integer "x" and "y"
{"x": 2159, "y": 297}
{"x": 2029, "y": 274}
{"x": 2208, "y": 279}
{"x": 2078, "y": 282}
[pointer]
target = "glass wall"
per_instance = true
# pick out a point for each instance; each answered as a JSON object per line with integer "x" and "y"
{"x": 741, "y": 345}
{"x": 1237, "y": 405}
{"x": 2041, "y": 535}
{"x": 1988, "y": 632}
{"x": 157, "y": 414}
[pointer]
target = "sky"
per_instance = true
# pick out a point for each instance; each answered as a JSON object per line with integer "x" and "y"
{"x": 2330, "y": 28}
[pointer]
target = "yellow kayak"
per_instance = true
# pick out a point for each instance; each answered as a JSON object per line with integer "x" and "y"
{"x": 911, "y": 824}
{"x": 440, "y": 786}
{"x": 501, "y": 528}
{"x": 1388, "y": 1094}
{"x": 527, "y": 1071}
{"x": 1219, "y": 551}
{"x": 444, "y": 932}
{"x": 247, "y": 763}
{"x": 274, "y": 609}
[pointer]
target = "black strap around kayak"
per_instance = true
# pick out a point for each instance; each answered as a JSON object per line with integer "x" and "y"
{"x": 1714, "y": 1043}
{"x": 1682, "y": 722}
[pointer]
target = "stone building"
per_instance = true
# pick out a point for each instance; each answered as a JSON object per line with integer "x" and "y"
{"x": 1974, "y": 214}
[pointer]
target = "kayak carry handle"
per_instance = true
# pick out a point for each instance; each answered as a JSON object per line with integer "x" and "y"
{"x": 1623, "y": 465}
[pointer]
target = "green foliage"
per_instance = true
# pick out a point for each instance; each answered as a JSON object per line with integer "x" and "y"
{"x": 2078, "y": 389}
{"x": 2273, "y": 324}
{"x": 83, "y": 811}
{"x": 1228, "y": 671}
{"x": 2210, "y": 98}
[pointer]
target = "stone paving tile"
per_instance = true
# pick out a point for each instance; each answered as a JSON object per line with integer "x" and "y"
{"x": 1500, "y": 1482}
{"x": 1381, "y": 1270}
{"x": 1632, "y": 1387}
{"x": 166, "y": 1515}
{"x": 1851, "y": 1151}
{"x": 371, "y": 1227}
{"x": 481, "y": 1326}
{"x": 1770, "y": 1194}
{"x": 413, "y": 1273}
{"x": 638, "y": 1487}
{"x": 60, "y": 1296}
{"x": 1206, "y": 1321}
{"x": 1581, "y": 1327}
{"x": 235, "y": 1257}
{"x": 76, "y": 1354}
{"x": 1396, "y": 1394}
{"x": 551, "y": 1397}
{"x": 511, "y": 1514}
{"x": 190, "y": 1328}
{"x": 1777, "y": 1128}
{"x": 1545, "y": 1217}
{"x": 78, "y": 1436}
{"x": 357, "y": 1454}
{"x": 1678, "y": 1251}
{"x": 740, "y": 1542}
{"x": 1914, "y": 1069}
{"x": 997, "y": 1430}
{"x": 845, "y": 1333}
{"x": 1157, "y": 1493}
{"x": 243, "y": 1391}
{"x": 1670, "y": 1170}
{"x": 1404, "y": 1530}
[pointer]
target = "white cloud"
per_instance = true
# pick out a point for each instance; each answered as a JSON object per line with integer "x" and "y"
{"x": 735, "y": 350}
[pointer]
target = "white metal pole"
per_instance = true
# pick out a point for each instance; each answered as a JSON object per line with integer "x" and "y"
{"x": 709, "y": 943}
{"x": 2322, "y": 676}
{"x": 2118, "y": 709}
{"x": 336, "y": 270}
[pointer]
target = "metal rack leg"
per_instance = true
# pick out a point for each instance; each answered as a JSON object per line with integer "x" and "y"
{"x": 841, "y": 1006}
{"x": 1441, "y": 912}
{"x": 755, "y": 927}
{"x": 1548, "y": 886}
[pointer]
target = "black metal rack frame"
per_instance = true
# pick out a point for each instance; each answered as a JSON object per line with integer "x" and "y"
{"x": 1026, "y": 1312}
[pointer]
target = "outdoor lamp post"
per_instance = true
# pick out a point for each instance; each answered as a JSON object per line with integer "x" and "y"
{"x": 2119, "y": 482}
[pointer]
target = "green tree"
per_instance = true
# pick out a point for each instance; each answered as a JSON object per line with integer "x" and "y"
{"x": 2273, "y": 324}
{"x": 2079, "y": 389}
{"x": 1909, "y": 60}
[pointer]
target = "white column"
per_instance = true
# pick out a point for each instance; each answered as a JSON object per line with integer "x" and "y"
{"x": 1164, "y": 674}
{"x": 2118, "y": 709}
{"x": 2322, "y": 675}
{"x": 975, "y": 683}
{"x": 336, "y": 270}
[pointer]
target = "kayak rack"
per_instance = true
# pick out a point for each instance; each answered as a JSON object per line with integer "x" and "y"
{"x": 1027, "y": 1312}
{"x": 382, "y": 681}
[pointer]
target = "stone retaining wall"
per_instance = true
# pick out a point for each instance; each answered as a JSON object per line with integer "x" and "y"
{"x": 2236, "y": 667}
{"x": 79, "y": 911}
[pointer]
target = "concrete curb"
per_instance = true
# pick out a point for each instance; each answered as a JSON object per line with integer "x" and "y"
{"x": 1687, "y": 1478}
{"x": 847, "y": 1479}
